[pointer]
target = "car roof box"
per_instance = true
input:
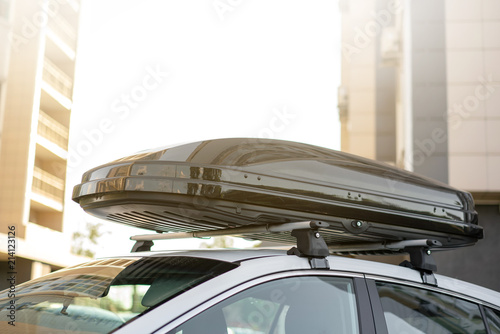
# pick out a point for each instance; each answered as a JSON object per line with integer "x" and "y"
{"x": 228, "y": 183}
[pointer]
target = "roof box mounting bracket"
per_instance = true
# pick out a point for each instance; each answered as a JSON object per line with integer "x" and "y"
{"x": 311, "y": 244}
{"x": 422, "y": 260}
{"x": 142, "y": 246}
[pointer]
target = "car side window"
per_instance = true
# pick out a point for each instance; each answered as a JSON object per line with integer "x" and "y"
{"x": 493, "y": 318}
{"x": 294, "y": 305}
{"x": 414, "y": 310}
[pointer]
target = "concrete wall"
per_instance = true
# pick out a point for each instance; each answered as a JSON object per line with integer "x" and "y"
{"x": 473, "y": 75}
{"x": 428, "y": 85}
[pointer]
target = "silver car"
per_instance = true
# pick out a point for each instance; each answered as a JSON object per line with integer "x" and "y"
{"x": 326, "y": 205}
{"x": 246, "y": 292}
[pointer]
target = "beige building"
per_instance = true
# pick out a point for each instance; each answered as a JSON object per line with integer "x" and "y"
{"x": 37, "y": 62}
{"x": 420, "y": 89}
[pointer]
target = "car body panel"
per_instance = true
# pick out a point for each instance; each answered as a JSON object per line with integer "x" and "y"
{"x": 257, "y": 266}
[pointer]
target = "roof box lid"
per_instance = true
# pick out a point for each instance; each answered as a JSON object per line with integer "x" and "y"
{"x": 224, "y": 183}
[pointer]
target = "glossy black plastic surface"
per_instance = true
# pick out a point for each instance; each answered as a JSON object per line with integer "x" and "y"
{"x": 224, "y": 183}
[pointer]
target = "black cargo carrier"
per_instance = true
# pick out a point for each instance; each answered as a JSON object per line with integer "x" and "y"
{"x": 232, "y": 183}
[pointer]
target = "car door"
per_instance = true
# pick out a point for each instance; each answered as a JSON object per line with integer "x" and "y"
{"x": 417, "y": 309}
{"x": 315, "y": 302}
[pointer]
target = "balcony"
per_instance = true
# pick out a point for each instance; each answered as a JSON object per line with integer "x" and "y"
{"x": 57, "y": 83}
{"x": 52, "y": 130}
{"x": 64, "y": 30}
{"x": 47, "y": 189}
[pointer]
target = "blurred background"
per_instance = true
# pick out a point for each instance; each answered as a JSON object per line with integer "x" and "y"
{"x": 82, "y": 82}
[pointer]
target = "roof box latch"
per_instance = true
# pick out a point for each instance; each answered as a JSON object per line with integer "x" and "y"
{"x": 311, "y": 244}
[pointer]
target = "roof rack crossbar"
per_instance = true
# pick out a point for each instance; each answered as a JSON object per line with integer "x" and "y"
{"x": 272, "y": 228}
{"x": 393, "y": 246}
{"x": 419, "y": 251}
{"x": 310, "y": 244}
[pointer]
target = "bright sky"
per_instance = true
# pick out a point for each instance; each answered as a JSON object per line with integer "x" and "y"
{"x": 152, "y": 73}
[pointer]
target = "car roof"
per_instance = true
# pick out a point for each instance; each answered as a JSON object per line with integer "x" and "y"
{"x": 369, "y": 269}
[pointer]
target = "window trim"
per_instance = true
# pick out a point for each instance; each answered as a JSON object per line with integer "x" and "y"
{"x": 376, "y": 303}
{"x": 450, "y": 293}
{"x": 263, "y": 279}
{"x": 485, "y": 318}
{"x": 366, "y": 316}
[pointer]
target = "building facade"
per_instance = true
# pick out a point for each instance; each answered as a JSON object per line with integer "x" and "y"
{"x": 420, "y": 89}
{"x": 37, "y": 62}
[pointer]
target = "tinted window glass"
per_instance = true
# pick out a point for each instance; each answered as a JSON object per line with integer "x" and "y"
{"x": 102, "y": 295}
{"x": 297, "y": 305}
{"x": 493, "y": 318}
{"x": 413, "y": 310}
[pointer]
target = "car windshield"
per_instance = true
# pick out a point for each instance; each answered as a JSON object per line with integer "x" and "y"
{"x": 102, "y": 295}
